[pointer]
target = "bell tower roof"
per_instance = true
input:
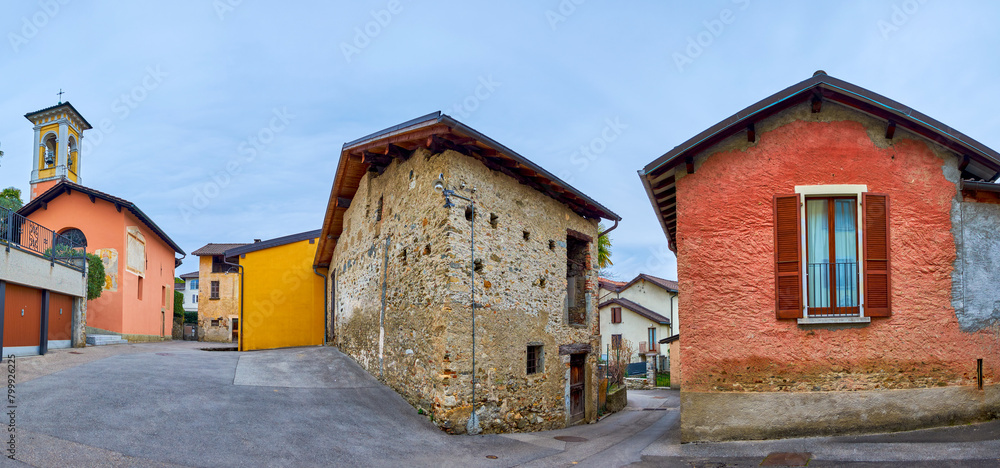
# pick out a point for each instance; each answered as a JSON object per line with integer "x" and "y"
{"x": 38, "y": 117}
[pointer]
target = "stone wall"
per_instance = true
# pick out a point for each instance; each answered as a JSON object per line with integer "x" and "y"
{"x": 223, "y": 309}
{"x": 423, "y": 346}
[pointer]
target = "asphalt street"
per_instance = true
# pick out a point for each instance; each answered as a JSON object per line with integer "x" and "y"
{"x": 173, "y": 404}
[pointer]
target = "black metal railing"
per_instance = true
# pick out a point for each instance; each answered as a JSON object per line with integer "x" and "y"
{"x": 21, "y": 233}
{"x": 838, "y": 297}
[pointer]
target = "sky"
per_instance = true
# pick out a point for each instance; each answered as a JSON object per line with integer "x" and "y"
{"x": 223, "y": 120}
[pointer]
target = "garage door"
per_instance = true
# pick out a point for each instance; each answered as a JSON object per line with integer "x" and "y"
{"x": 60, "y": 320}
{"x": 22, "y": 320}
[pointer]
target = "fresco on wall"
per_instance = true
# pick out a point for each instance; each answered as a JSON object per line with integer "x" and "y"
{"x": 109, "y": 257}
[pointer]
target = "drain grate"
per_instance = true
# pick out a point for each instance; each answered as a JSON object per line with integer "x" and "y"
{"x": 654, "y": 409}
{"x": 220, "y": 349}
{"x": 787, "y": 459}
{"x": 570, "y": 438}
{"x": 164, "y": 354}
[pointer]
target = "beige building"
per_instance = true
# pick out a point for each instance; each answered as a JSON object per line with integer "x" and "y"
{"x": 397, "y": 247}
{"x": 219, "y": 296}
{"x": 642, "y": 311}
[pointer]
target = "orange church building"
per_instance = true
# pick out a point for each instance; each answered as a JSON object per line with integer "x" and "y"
{"x": 139, "y": 258}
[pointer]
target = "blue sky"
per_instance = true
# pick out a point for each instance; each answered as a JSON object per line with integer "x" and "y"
{"x": 187, "y": 91}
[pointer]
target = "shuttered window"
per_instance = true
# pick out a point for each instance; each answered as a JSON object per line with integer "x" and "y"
{"x": 616, "y": 315}
{"x": 831, "y": 292}
{"x": 876, "y": 238}
{"x": 787, "y": 257}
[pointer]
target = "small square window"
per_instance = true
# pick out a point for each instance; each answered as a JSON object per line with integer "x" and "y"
{"x": 535, "y": 362}
{"x": 616, "y": 342}
{"x": 214, "y": 290}
{"x": 616, "y": 315}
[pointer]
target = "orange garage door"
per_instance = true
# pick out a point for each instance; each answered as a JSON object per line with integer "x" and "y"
{"x": 60, "y": 317}
{"x": 22, "y": 316}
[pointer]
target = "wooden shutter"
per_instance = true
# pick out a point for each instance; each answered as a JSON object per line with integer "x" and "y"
{"x": 787, "y": 257}
{"x": 876, "y": 261}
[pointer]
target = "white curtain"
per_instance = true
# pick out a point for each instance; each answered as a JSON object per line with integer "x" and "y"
{"x": 845, "y": 240}
{"x": 818, "y": 254}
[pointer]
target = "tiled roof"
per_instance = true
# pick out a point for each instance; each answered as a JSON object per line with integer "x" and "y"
{"x": 610, "y": 285}
{"x": 637, "y": 309}
{"x": 663, "y": 283}
{"x": 247, "y": 248}
{"x": 618, "y": 286}
{"x": 193, "y": 274}
{"x": 215, "y": 249}
{"x": 64, "y": 186}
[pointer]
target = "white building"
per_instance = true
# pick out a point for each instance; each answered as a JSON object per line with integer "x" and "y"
{"x": 190, "y": 291}
{"x": 643, "y": 311}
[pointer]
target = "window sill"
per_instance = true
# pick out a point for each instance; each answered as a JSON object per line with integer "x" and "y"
{"x": 833, "y": 320}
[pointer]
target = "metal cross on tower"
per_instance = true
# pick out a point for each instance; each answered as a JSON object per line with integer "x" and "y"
{"x": 60, "y": 93}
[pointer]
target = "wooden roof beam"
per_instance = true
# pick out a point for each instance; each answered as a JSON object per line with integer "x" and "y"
{"x": 890, "y": 130}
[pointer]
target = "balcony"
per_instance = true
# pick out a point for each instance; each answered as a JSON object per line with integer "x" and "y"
{"x": 18, "y": 232}
{"x": 833, "y": 289}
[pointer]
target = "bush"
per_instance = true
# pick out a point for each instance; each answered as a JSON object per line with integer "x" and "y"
{"x": 618, "y": 361}
{"x": 95, "y": 276}
{"x": 178, "y": 304}
{"x": 191, "y": 317}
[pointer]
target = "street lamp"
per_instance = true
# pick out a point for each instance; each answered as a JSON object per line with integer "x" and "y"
{"x": 472, "y": 427}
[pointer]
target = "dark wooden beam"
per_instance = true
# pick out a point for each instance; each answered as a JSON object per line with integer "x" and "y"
{"x": 575, "y": 348}
{"x": 45, "y": 205}
{"x": 890, "y": 130}
{"x": 965, "y": 163}
{"x": 398, "y": 152}
{"x": 93, "y": 199}
{"x": 118, "y": 207}
{"x": 354, "y": 158}
{"x": 817, "y": 102}
{"x": 376, "y": 159}
{"x": 664, "y": 183}
{"x": 751, "y": 133}
{"x": 343, "y": 202}
{"x": 689, "y": 162}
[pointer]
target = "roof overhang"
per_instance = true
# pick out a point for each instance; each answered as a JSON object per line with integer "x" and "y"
{"x": 978, "y": 161}
{"x": 35, "y": 117}
{"x": 65, "y": 187}
{"x": 438, "y": 133}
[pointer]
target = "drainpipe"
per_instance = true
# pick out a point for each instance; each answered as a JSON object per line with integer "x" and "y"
{"x": 239, "y": 344}
{"x": 612, "y": 228}
{"x": 326, "y": 327}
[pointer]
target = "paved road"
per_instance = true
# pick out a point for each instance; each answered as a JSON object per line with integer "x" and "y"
{"x": 172, "y": 404}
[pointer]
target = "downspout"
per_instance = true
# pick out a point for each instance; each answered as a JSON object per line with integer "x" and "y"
{"x": 612, "y": 228}
{"x": 239, "y": 344}
{"x": 326, "y": 322}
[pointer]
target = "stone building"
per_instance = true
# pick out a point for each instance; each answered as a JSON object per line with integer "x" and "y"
{"x": 398, "y": 256}
{"x": 219, "y": 299}
{"x": 837, "y": 259}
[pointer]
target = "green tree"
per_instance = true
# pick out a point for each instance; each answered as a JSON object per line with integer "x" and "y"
{"x": 95, "y": 276}
{"x": 178, "y": 304}
{"x": 10, "y": 198}
{"x": 603, "y": 249}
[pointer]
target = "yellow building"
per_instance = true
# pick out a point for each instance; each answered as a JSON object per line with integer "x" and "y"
{"x": 282, "y": 294}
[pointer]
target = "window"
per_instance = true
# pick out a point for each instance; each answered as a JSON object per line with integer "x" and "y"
{"x": 164, "y": 300}
{"x": 194, "y": 285}
{"x": 195, "y": 298}
{"x": 832, "y": 256}
{"x": 616, "y": 342}
{"x": 652, "y": 340}
{"x": 827, "y": 263}
{"x": 219, "y": 264}
{"x": 72, "y": 238}
{"x": 215, "y": 290}
{"x": 139, "y": 289}
{"x": 535, "y": 363}
{"x": 215, "y": 323}
{"x": 577, "y": 270}
{"x": 616, "y": 315}
{"x": 378, "y": 212}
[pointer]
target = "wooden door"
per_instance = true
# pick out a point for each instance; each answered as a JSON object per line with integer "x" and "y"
{"x": 22, "y": 318}
{"x": 60, "y": 317}
{"x": 236, "y": 330}
{"x": 576, "y": 386}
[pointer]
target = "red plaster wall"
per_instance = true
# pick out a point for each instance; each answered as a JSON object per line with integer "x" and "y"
{"x": 732, "y": 340}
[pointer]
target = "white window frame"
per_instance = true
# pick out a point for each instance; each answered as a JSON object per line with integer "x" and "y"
{"x": 805, "y": 191}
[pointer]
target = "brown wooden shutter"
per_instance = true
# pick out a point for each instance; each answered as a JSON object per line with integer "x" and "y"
{"x": 787, "y": 257}
{"x": 876, "y": 261}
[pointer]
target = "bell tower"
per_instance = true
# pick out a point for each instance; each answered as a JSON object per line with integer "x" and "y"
{"x": 57, "y": 156}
